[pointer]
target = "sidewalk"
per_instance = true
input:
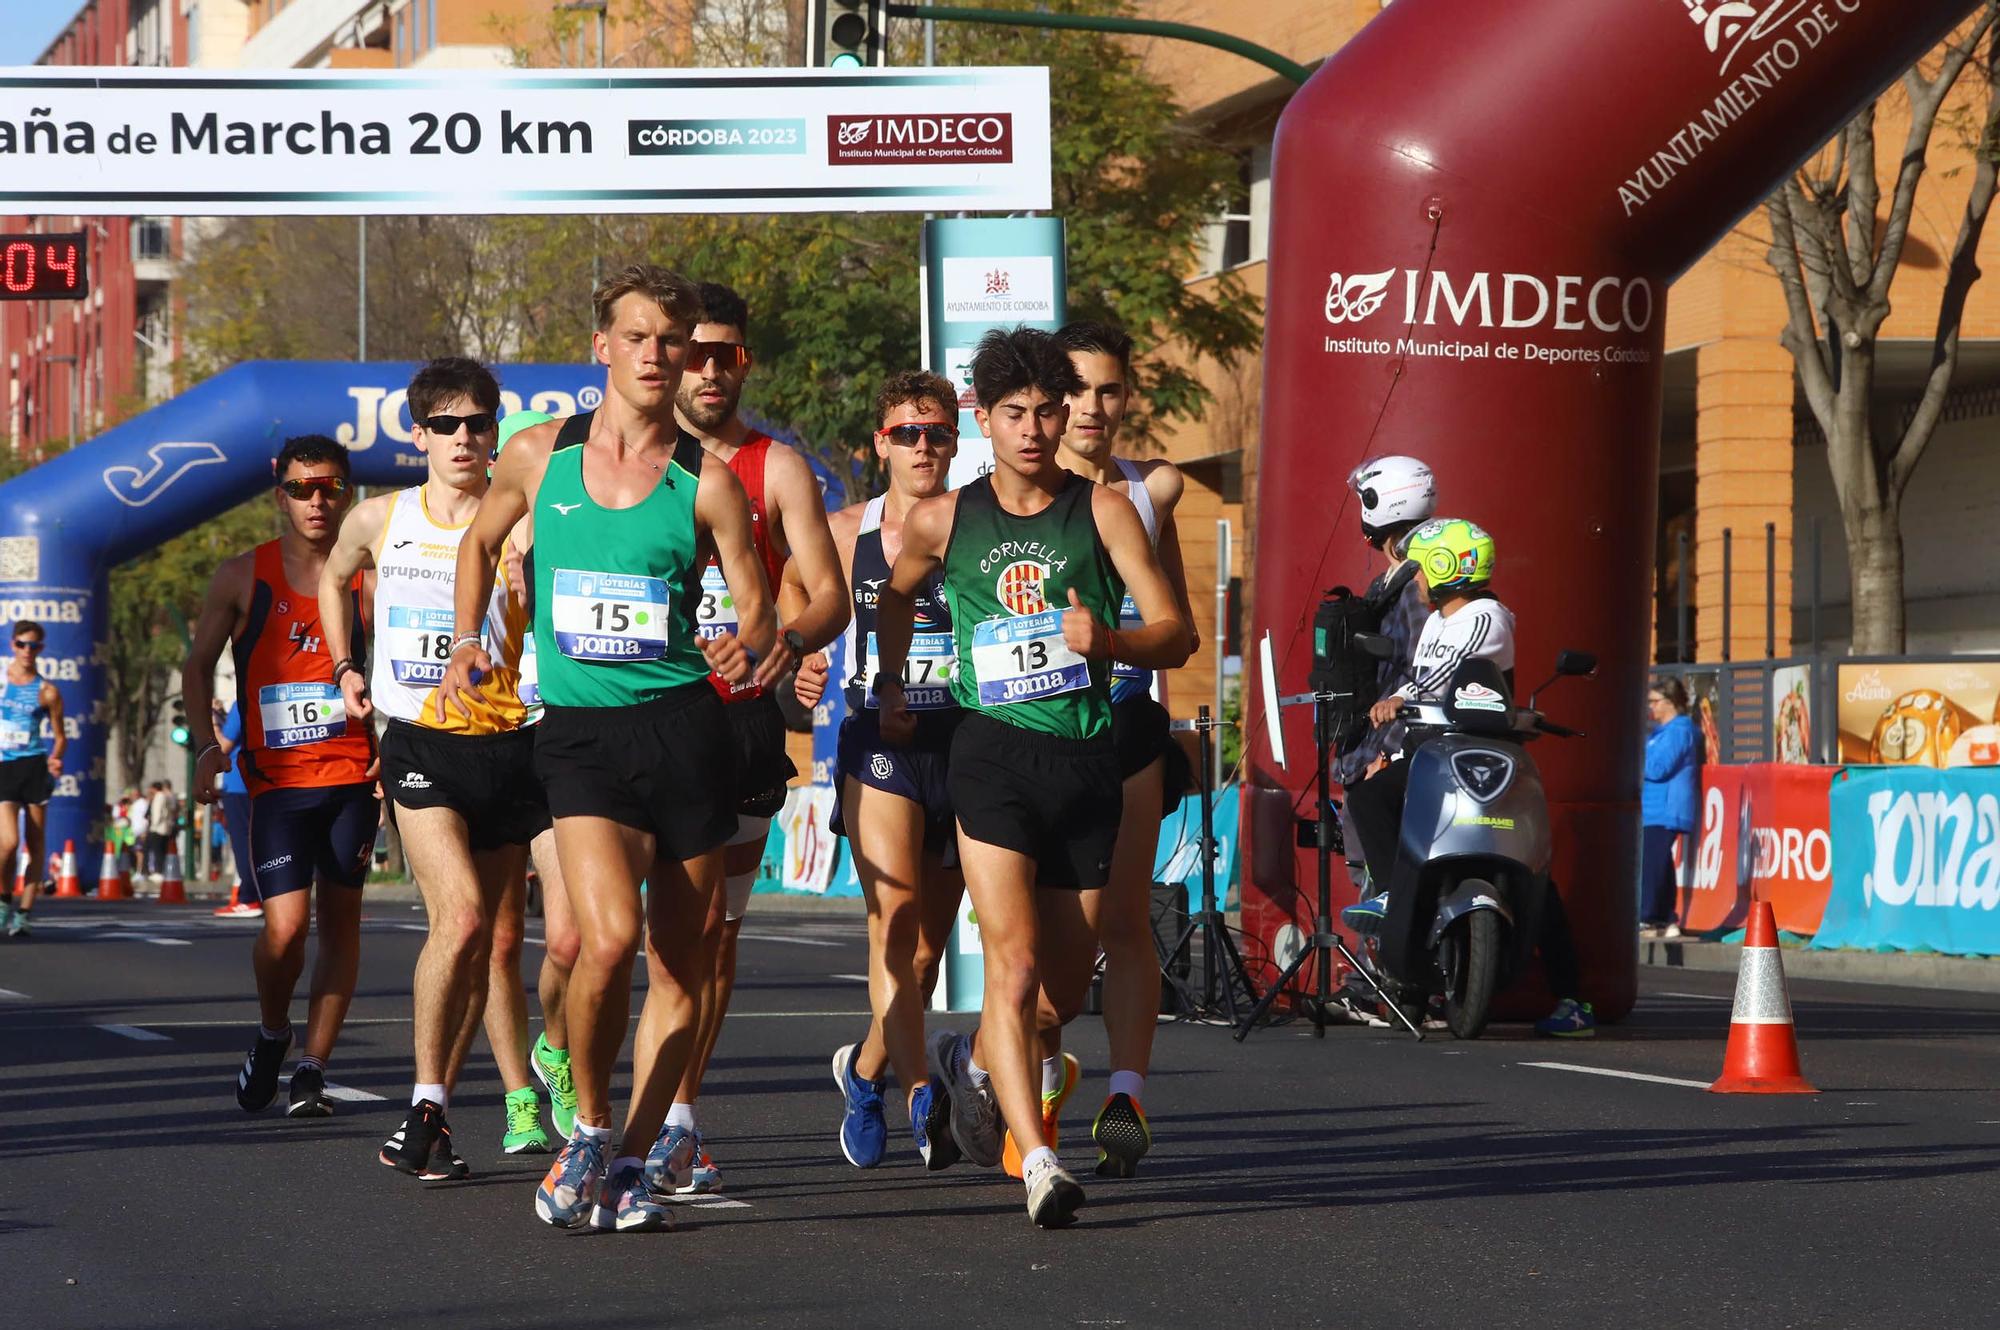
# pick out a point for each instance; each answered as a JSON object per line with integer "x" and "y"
{"x": 1970, "y": 974}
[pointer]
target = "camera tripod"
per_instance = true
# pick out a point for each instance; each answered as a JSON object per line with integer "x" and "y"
{"x": 1323, "y": 942}
{"x": 1221, "y": 963}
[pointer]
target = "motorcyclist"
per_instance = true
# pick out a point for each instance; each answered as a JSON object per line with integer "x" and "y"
{"x": 1396, "y": 495}
{"x": 1454, "y": 560}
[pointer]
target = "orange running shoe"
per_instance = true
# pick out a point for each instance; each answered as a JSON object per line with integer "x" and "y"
{"x": 1010, "y": 1155}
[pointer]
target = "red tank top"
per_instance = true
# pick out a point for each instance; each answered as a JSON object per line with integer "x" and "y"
{"x": 748, "y": 466}
{"x": 296, "y": 732}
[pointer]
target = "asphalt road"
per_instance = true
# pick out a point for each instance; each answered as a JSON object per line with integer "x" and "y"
{"x": 1360, "y": 1179}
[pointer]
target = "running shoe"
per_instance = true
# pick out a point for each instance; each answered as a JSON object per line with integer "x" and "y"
{"x": 17, "y": 923}
{"x": 1367, "y": 916}
{"x": 930, "y": 1123}
{"x": 525, "y": 1134}
{"x": 671, "y": 1161}
{"x": 864, "y": 1135}
{"x": 1010, "y": 1155}
{"x": 7, "y": 915}
{"x": 975, "y": 1117}
{"x": 308, "y": 1097}
{"x": 552, "y": 1070}
{"x": 568, "y": 1194}
{"x": 421, "y": 1146}
{"x": 1122, "y": 1137}
{"x": 1053, "y": 1195}
{"x": 257, "y": 1083}
{"x": 1570, "y": 1020}
{"x": 625, "y": 1206}
{"x": 703, "y": 1176}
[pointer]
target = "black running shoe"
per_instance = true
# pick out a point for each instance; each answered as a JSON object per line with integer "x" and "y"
{"x": 421, "y": 1147}
{"x": 309, "y": 1094}
{"x": 257, "y": 1083}
{"x": 1122, "y": 1137}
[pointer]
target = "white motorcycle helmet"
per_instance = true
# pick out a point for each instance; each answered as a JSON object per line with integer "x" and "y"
{"x": 1395, "y": 493}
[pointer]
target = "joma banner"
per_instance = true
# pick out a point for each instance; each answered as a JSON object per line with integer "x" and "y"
{"x": 119, "y": 141}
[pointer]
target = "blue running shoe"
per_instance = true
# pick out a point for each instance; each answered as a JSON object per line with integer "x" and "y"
{"x": 864, "y": 1135}
{"x": 570, "y": 1190}
{"x": 1570, "y": 1020}
{"x": 930, "y": 1123}
{"x": 1366, "y": 916}
{"x": 624, "y": 1205}
{"x": 671, "y": 1160}
{"x": 703, "y": 1176}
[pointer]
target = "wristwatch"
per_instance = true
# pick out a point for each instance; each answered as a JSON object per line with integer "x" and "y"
{"x": 796, "y": 640}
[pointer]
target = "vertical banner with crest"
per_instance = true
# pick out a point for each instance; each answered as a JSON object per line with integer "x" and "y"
{"x": 981, "y": 273}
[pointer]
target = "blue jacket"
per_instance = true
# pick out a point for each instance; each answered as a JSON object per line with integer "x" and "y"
{"x": 1672, "y": 793}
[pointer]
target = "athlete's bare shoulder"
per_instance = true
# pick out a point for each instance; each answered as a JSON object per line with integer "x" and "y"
{"x": 1163, "y": 481}
{"x": 536, "y": 441}
{"x": 927, "y": 526}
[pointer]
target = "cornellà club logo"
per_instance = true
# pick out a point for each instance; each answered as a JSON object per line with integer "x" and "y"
{"x": 919, "y": 140}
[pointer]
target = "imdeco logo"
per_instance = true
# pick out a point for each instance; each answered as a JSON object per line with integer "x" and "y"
{"x": 920, "y": 140}
{"x": 1729, "y": 26}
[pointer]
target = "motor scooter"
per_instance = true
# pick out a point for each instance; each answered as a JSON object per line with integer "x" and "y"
{"x": 1472, "y": 863}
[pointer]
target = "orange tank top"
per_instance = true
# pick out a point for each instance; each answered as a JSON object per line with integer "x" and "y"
{"x": 296, "y": 731}
{"x": 716, "y": 614}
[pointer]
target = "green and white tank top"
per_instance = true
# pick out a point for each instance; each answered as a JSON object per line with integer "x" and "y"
{"x": 1008, "y": 579}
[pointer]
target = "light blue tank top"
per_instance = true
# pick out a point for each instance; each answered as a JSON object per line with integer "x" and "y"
{"x": 21, "y": 717}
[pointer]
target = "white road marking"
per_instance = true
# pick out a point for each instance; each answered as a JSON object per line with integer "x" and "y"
{"x": 1622, "y": 1075}
{"x": 351, "y": 1095}
{"x": 9, "y": 995}
{"x": 857, "y": 978}
{"x": 1700, "y": 997}
{"x": 143, "y": 937}
{"x": 788, "y": 941}
{"x": 134, "y": 1032}
{"x": 710, "y": 1201}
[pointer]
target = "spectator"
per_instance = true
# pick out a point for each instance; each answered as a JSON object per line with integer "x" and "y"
{"x": 165, "y": 823}
{"x": 138, "y": 821}
{"x": 236, "y": 808}
{"x": 1668, "y": 804}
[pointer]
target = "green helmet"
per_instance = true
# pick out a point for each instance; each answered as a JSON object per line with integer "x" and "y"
{"x": 1452, "y": 553}
{"x": 515, "y": 422}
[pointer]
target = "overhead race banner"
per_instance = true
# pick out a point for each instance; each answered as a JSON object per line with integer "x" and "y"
{"x": 981, "y": 273}
{"x": 122, "y": 141}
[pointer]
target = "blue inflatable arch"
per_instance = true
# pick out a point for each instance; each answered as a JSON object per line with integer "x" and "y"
{"x": 65, "y": 524}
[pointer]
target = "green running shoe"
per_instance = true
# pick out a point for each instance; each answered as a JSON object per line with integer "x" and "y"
{"x": 525, "y": 1134}
{"x": 552, "y": 1070}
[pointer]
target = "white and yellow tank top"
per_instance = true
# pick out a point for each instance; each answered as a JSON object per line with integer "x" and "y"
{"x": 415, "y": 570}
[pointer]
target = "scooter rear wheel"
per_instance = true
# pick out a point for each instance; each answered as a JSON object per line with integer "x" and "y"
{"x": 1472, "y": 969}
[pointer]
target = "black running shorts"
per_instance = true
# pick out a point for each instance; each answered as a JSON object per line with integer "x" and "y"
{"x": 763, "y": 768}
{"x": 487, "y": 779}
{"x": 26, "y": 780}
{"x": 1055, "y": 800}
{"x": 916, "y": 773}
{"x": 667, "y": 766}
{"x": 1140, "y": 730}
{"x": 303, "y": 834}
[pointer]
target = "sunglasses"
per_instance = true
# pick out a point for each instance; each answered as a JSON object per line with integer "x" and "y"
{"x": 302, "y": 489}
{"x": 728, "y": 356}
{"x": 907, "y": 436}
{"x": 27, "y": 644}
{"x": 483, "y": 422}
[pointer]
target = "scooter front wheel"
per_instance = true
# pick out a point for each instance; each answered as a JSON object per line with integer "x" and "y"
{"x": 1471, "y": 948}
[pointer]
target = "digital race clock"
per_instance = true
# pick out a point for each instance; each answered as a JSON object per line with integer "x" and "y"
{"x": 43, "y": 267}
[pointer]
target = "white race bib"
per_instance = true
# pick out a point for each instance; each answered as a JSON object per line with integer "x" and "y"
{"x": 418, "y": 642}
{"x": 926, "y": 672}
{"x": 295, "y": 714}
{"x": 716, "y": 614}
{"x": 14, "y": 735}
{"x": 531, "y": 678}
{"x": 609, "y": 616}
{"x": 1023, "y": 658}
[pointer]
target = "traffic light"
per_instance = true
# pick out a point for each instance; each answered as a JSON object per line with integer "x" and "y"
{"x": 846, "y": 34}
{"x": 177, "y": 719}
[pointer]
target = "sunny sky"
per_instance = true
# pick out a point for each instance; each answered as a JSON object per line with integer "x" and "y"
{"x": 28, "y": 26}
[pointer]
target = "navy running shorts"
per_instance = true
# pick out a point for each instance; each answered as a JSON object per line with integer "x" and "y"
{"x": 916, "y": 773}
{"x": 303, "y": 834}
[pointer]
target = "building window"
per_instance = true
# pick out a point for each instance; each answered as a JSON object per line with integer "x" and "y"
{"x": 1241, "y": 234}
{"x": 431, "y": 7}
{"x": 151, "y": 239}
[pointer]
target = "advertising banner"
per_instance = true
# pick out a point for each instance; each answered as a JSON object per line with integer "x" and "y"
{"x": 1791, "y": 715}
{"x": 982, "y": 273}
{"x": 1916, "y": 861}
{"x": 1763, "y": 827}
{"x": 810, "y": 849}
{"x": 1930, "y": 713}
{"x": 128, "y": 141}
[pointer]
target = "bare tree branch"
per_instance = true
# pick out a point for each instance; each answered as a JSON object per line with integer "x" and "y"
{"x": 1800, "y": 336}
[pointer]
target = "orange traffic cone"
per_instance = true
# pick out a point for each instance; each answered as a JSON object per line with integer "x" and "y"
{"x": 173, "y": 891}
{"x": 1763, "y": 1052}
{"x": 66, "y": 879}
{"x": 112, "y": 885}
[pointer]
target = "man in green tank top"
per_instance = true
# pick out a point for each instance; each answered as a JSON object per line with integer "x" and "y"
{"x": 1036, "y": 562}
{"x": 632, "y": 748}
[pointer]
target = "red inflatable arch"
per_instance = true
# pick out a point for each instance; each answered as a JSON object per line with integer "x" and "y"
{"x": 1478, "y": 209}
